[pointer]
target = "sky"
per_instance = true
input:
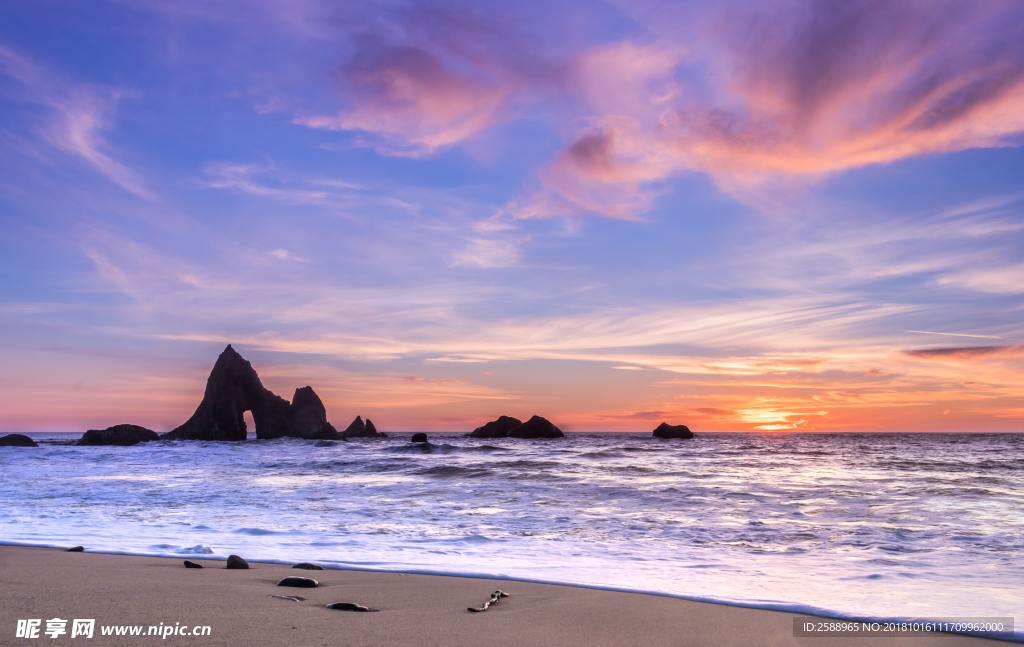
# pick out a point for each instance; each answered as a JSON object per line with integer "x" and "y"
{"x": 774, "y": 216}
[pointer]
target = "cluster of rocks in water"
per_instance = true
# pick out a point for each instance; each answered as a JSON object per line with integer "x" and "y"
{"x": 509, "y": 427}
{"x": 234, "y": 388}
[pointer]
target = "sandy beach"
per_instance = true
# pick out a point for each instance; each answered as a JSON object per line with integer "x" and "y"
{"x": 413, "y": 609}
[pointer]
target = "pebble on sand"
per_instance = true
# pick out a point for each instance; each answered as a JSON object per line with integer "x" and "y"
{"x": 190, "y": 564}
{"x": 236, "y": 562}
{"x": 299, "y": 582}
{"x": 350, "y": 606}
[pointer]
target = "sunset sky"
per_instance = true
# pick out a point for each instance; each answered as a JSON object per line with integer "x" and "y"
{"x": 738, "y": 216}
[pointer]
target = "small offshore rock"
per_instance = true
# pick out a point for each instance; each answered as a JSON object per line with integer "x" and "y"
{"x": 123, "y": 434}
{"x": 676, "y": 432}
{"x": 499, "y": 428}
{"x": 236, "y": 562}
{"x": 360, "y": 429}
{"x": 76, "y": 549}
{"x": 308, "y": 567}
{"x": 350, "y": 606}
{"x": 191, "y": 564}
{"x": 536, "y": 427}
{"x": 17, "y": 440}
{"x": 419, "y": 438}
{"x": 299, "y": 582}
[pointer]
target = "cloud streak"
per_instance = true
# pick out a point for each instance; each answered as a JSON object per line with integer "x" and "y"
{"x": 77, "y": 118}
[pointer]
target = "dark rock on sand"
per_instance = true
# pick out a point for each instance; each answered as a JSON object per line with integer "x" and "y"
{"x": 232, "y": 389}
{"x": 666, "y": 430}
{"x": 309, "y": 567}
{"x": 236, "y": 562}
{"x": 360, "y": 429}
{"x": 350, "y": 606}
{"x": 419, "y": 438}
{"x": 190, "y": 564}
{"x": 307, "y": 416}
{"x": 536, "y": 427}
{"x": 118, "y": 435}
{"x": 499, "y": 428}
{"x": 299, "y": 582}
{"x": 17, "y": 440}
{"x": 75, "y": 549}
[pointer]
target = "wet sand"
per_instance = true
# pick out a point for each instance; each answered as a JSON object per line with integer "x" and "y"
{"x": 413, "y": 609}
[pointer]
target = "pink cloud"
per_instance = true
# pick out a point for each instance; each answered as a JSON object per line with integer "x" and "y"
{"x": 431, "y": 78}
{"x": 414, "y": 102}
{"x": 791, "y": 91}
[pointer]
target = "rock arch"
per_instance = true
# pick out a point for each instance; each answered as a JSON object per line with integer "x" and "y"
{"x": 234, "y": 388}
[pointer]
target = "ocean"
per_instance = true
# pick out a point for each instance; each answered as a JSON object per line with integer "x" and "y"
{"x": 857, "y": 525}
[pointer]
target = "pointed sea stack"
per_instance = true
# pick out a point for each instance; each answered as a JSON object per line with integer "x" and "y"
{"x": 232, "y": 389}
{"x": 666, "y": 430}
{"x": 17, "y": 440}
{"x": 499, "y": 428}
{"x": 307, "y": 417}
{"x": 536, "y": 427}
{"x": 118, "y": 435}
{"x": 360, "y": 429}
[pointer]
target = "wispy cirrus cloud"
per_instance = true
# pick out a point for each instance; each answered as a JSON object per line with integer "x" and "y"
{"x": 76, "y": 117}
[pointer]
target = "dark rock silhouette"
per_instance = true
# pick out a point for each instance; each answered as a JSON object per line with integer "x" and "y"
{"x": 356, "y": 428}
{"x": 75, "y": 549}
{"x": 419, "y": 438}
{"x": 236, "y": 563}
{"x": 118, "y": 435}
{"x": 234, "y": 388}
{"x": 307, "y": 416}
{"x": 191, "y": 564}
{"x": 307, "y": 566}
{"x": 372, "y": 430}
{"x": 509, "y": 427}
{"x": 666, "y": 430}
{"x": 360, "y": 429}
{"x": 536, "y": 427}
{"x": 17, "y": 440}
{"x": 499, "y": 428}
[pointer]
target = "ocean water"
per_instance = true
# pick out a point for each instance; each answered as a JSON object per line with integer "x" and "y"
{"x": 868, "y": 525}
